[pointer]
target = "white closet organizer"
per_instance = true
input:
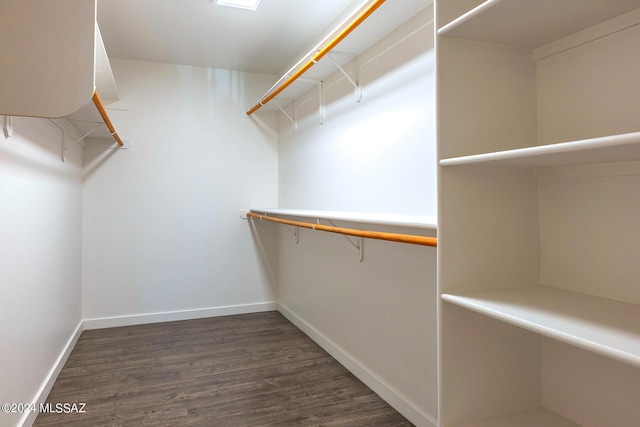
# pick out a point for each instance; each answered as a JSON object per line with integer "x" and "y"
{"x": 54, "y": 63}
{"x": 539, "y": 244}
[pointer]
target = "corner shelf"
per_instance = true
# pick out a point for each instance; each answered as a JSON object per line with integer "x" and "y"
{"x": 413, "y": 221}
{"x": 615, "y": 148}
{"x": 531, "y": 24}
{"x": 600, "y": 325}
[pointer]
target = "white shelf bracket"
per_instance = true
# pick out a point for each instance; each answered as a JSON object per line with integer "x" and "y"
{"x": 358, "y": 244}
{"x": 8, "y": 127}
{"x": 320, "y": 84}
{"x": 357, "y": 87}
{"x": 66, "y": 147}
{"x": 293, "y": 119}
{"x": 295, "y": 231}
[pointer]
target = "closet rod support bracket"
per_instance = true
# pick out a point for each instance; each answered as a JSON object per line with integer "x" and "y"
{"x": 357, "y": 91}
{"x": 320, "y": 84}
{"x": 292, "y": 119}
{"x": 76, "y": 141}
{"x": 358, "y": 244}
{"x": 295, "y": 231}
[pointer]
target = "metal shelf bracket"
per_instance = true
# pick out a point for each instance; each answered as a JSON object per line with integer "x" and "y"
{"x": 357, "y": 87}
{"x": 293, "y": 119}
{"x": 358, "y": 244}
{"x": 320, "y": 84}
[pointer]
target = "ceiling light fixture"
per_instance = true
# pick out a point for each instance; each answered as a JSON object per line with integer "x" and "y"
{"x": 242, "y": 4}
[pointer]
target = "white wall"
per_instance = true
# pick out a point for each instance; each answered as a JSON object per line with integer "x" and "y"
{"x": 161, "y": 226}
{"x": 378, "y": 316}
{"x": 376, "y": 156}
{"x": 40, "y": 257}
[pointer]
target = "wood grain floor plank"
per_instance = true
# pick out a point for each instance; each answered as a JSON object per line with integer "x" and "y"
{"x": 247, "y": 370}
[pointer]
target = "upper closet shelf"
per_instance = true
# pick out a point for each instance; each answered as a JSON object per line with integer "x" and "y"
{"x": 615, "y": 148}
{"x": 95, "y": 112}
{"x": 533, "y": 23}
{"x": 317, "y": 53}
{"x": 603, "y": 326}
{"x": 413, "y": 221}
{"x": 53, "y": 64}
{"x": 341, "y": 46}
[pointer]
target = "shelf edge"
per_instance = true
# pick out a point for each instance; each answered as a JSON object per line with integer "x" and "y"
{"x": 544, "y": 150}
{"x": 410, "y": 221}
{"x": 467, "y": 16}
{"x": 583, "y": 343}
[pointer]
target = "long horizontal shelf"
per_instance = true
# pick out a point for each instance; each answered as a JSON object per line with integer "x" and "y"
{"x": 603, "y": 326}
{"x": 532, "y": 23}
{"x": 413, "y": 221}
{"x": 534, "y": 417}
{"x": 614, "y": 148}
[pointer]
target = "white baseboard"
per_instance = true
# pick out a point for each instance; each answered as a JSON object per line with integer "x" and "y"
{"x": 41, "y": 396}
{"x": 393, "y": 397}
{"x": 142, "y": 319}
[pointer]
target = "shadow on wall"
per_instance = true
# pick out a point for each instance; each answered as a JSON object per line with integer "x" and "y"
{"x": 96, "y": 154}
{"x": 36, "y": 145}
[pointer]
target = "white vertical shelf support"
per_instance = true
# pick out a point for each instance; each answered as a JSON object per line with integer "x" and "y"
{"x": 321, "y": 101}
{"x": 8, "y": 127}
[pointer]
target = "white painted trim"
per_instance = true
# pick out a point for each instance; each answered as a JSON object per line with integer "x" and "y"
{"x": 142, "y": 319}
{"x": 41, "y": 396}
{"x": 392, "y": 396}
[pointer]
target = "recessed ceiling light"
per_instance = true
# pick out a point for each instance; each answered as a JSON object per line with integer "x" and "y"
{"x": 242, "y": 4}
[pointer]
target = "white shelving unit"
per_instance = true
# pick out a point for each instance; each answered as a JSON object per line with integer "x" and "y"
{"x": 539, "y": 149}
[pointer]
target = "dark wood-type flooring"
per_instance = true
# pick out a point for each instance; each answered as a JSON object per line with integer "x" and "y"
{"x": 247, "y": 370}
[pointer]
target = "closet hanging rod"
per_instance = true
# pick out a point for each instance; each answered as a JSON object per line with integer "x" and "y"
{"x": 107, "y": 121}
{"x": 272, "y": 93}
{"x": 392, "y": 237}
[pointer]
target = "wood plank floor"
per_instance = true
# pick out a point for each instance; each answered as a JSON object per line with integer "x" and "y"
{"x": 247, "y": 370}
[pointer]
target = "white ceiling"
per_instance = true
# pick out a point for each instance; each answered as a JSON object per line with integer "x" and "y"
{"x": 268, "y": 41}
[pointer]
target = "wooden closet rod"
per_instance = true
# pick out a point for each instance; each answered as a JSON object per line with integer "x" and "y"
{"x": 103, "y": 112}
{"x": 392, "y": 237}
{"x": 319, "y": 55}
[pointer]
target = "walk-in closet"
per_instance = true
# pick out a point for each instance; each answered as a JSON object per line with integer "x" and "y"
{"x": 345, "y": 212}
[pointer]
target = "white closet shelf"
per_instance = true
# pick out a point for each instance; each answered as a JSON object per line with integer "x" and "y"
{"x": 534, "y": 417}
{"x": 603, "y": 326}
{"x": 413, "y": 221}
{"x": 607, "y": 149}
{"x": 88, "y": 117}
{"x": 530, "y": 24}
